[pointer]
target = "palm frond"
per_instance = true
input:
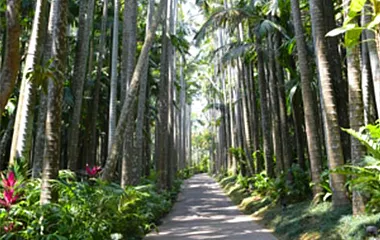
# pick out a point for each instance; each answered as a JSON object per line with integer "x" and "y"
{"x": 219, "y": 19}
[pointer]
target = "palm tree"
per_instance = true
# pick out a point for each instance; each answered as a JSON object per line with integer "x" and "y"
{"x": 112, "y": 116}
{"x": 86, "y": 12}
{"x": 356, "y": 110}
{"x": 309, "y": 102}
{"x": 92, "y": 136}
{"x": 130, "y": 170}
{"x": 22, "y": 133}
{"x": 11, "y": 59}
{"x": 130, "y": 96}
{"x": 330, "y": 117}
{"x": 163, "y": 104}
{"x": 57, "y": 36}
{"x": 142, "y": 118}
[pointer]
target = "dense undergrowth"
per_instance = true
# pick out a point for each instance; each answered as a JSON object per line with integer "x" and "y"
{"x": 296, "y": 219}
{"x": 285, "y": 203}
{"x": 87, "y": 209}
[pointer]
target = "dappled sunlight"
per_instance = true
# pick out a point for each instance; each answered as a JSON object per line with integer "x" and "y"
{"x": 206, "y": 213}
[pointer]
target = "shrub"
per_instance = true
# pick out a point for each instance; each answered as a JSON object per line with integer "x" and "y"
{"x": 86, "y": 210}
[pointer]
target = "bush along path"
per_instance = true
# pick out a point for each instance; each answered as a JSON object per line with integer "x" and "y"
{"x": 203, "y": 211}
{"x": 86, "y": 209}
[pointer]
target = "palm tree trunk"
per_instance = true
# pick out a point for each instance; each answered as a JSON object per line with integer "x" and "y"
{"x": 282, "y": 105}
{"x": 330, "y": 118}
{"x": 274, "y": 99}
{"x": 39, "y": 145}
{"x": 366, "y": 77}
{"x": 22, "y": 133}
{"x": 356, "y": 112}
{"x": 373, "y": 58}
{"x": 142, "y": 101}
{"x": 265, "y": 124}
{"x": 112, "y": 115}
{"x": 309, "y": 102}
{"x": 92, "y": 140}
{"x": 57, "y": 33}
{"x": 131, "y": 94}
{"x": 11, "y": 59}
{"x": 79, "y": 76}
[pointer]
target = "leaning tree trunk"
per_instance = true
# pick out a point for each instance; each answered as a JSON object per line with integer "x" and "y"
{"x": 334, "y": 150}
{"x": 130, "y": 96}
{"x": 57, "y": 33}
{"x": 309, "y": 102}
{"x": 79, "y": 76}
{"x": 22, "y": 133}
{"x": 11, "y": 59}
{"x": 141, "y": 108}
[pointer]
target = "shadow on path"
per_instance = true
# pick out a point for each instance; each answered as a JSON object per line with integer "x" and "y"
{"x": 203, "y": 211}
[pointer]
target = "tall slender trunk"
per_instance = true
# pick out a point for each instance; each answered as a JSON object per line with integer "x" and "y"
{"x": 282, "y": 105}
{"x": 11, "y": 59}
{"x": 265, "y": 124}
{"x": 57, "y": 32}
{"x": 22, "y": 133}
{"x": 330, "y": 117}
{"x": 39, "y": 145}
{"x": 131, "y": 94}
{"x": 163, "y": 131}
{"x": 112, "y": 114}
{"x": 309, "y": 102}
{"x": 274, "y": 99}
{"x": 339, "y": 81}
{"x": 79, "y": 76}
{"x": 141, "y": 140}
{"x": 356, "y": 112}
{"x": 373, "y": 51}
{"x": 92, "y": 140}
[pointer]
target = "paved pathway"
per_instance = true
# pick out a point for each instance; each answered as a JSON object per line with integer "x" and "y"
{"x": 203, "y": 211}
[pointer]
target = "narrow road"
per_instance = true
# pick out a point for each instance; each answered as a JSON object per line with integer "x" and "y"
{"x": 203, "y": 211}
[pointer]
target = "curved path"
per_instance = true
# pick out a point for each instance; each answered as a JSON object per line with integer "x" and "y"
{"x": 203, "y": 211}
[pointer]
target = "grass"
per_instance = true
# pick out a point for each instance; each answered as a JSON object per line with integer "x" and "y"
{"x": 304, "y": 220}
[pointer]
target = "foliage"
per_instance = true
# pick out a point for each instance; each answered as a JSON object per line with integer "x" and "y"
{"x": 325, "y": 185}
{"x": 366, "y": 174}
{"x": 351, "y": 27}
{"x": 86, "y": 210}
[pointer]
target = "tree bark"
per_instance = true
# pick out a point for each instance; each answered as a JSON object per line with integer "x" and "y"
{"x": 57, "y": 32}
{"x": 309, "y": 102}
{"x": 265, "y": 124}
{"x": 79, "y": 76}
{"x": 22, "y": 133}
{"x": 330, "y": 118}
{"x": 131, "y": 94}
{"x": 11, "y": 59}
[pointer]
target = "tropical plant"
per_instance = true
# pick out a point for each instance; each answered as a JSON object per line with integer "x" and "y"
{"x": 366, "y": 173}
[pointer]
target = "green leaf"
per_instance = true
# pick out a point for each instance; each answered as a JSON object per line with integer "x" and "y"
{"x": 336, "y": 31}
{"x": 352, "y": 37}
{"x": 357, "y": 5}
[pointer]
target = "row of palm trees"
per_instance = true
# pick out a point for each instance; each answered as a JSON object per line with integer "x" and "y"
{"x": 286, "y": 80}
{"x": 97, "y": 86}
